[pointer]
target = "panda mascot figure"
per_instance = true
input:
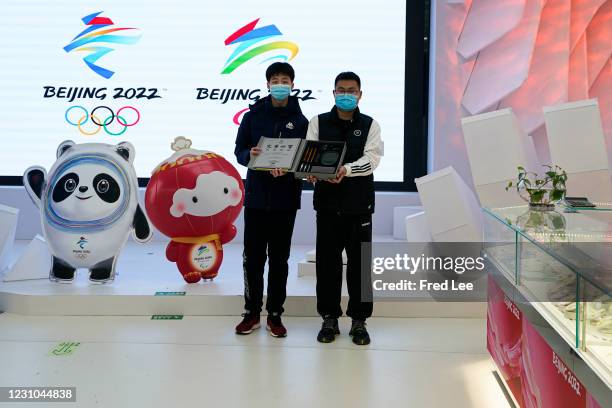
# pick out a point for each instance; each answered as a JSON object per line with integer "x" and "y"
{"x": 194, "y": 197}
{"x": 88, "y": 204}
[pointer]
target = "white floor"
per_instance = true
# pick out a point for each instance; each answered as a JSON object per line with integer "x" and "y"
{"x": 199, "y": 361}
{"x": 133, "y": 361}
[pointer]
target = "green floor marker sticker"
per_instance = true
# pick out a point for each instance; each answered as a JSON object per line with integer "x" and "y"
{"x": 65, "y": 348}
{"x": 167, "y": 317}
{"x": 170, "y": 293}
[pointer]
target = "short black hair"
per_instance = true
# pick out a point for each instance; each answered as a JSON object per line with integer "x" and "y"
{"x": 281, "y": 68}
{"x": 348, "y": 76}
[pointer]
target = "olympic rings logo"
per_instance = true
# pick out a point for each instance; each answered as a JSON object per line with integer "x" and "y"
{"x": 86, "y": 117}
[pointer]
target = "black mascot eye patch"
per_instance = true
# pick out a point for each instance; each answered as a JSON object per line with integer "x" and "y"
{"x": 106, "y": 187}
{"x": 65, "y": 187}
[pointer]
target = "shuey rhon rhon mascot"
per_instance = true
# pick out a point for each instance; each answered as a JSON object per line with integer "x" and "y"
{"x": 88, "y": 203}
{"x": 194, "y": 197}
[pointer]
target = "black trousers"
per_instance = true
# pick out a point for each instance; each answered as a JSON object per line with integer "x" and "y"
{"x": 267, "y": 234}
{"x": 336, "y": 232}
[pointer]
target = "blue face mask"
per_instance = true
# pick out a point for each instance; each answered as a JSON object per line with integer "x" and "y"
{"x": 280, "y": 91}
{"x": 346, "y": 102}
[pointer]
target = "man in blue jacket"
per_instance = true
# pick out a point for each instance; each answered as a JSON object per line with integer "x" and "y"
{"x": 271, "y": 201}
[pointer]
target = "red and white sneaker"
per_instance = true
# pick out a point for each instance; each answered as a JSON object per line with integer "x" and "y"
{"x": 248, "y": 324}
{"x": 275, "y": 326}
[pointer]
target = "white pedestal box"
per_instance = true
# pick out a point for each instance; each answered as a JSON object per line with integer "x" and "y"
{"x": 34, "y": 263}
{"x": 577, "y": 144}
{"x": 596, "y": 185}
{"x": 8, "y": 228}
{"x": 311, "y": 256}
{"x": 418, "y": 235}
{"x": 451, "y": 208}
{"x": 496, "y": 146}
{"x": 399, "y": 220}
{"x": 416, "y": 228}
{"x": 307, "y": 267}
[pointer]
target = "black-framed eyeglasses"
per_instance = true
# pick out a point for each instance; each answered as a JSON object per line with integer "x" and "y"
{"x": 341, "y": 91}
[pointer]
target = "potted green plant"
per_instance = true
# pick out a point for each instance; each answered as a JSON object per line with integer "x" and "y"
{"x": 540, "y": 193}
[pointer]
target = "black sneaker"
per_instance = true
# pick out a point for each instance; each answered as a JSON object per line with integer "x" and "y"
{"x": 359, "y": 333}
{"x": 329, "y": 330}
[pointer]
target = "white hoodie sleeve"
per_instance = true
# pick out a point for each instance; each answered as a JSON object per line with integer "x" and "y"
{"x": 313, "y": 129}
{"x": 372, "y": 152}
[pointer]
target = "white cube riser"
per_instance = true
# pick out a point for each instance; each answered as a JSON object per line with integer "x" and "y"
{"x": 595, "y": 185}
{"x": 311, "y": 256}
{"x": 416, "y": 228}
{"x": 309, "y": 269}
{"x": 34, "y": 263}
{"x": 449, "y": 204}
{"x": 495, "y": 195}
{"x": 496, "y": 146}
{"x": 8, "y": 230}
{"x": 576, "y": 137}
{"x": 399, "y": 220}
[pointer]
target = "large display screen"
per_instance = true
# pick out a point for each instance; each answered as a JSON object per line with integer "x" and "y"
{"x": 148, "y": 71}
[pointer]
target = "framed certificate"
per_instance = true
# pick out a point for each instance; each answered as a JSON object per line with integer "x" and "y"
{"x": 276, "y": 153}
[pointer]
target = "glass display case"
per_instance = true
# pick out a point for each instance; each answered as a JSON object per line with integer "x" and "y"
{"x": 561, "y": 262}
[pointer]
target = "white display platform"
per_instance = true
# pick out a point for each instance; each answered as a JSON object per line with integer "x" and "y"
{"x": 451, "y": 208}
{"x": 8, "y": 228}
{"x": 577, "y": 144}
{"x": 496, "y": 146}
{"x": 143, "y": 271}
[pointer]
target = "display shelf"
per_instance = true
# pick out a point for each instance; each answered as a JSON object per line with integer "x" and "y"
{"x": 560, "y": 263}
{"x": 575, "y": 239}
{"x": 599, "y": 355}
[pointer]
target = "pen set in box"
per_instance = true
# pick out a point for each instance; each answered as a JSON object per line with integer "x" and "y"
{"x": 320, "y": 159}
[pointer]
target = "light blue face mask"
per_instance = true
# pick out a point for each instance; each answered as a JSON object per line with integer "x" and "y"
{"x": 280, "y": 91}
{"x": 346, "y": 102}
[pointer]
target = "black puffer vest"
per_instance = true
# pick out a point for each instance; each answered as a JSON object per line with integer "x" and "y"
{"x": 353, "y": 195}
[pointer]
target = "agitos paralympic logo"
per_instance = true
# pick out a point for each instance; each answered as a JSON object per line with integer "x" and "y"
{"x": 249, "y": 36}
{"x": 94, "y": 41}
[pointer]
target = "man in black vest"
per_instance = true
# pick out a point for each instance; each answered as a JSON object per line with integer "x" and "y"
{"x": 271, "y": 200}
{"x": 344, "y": 208}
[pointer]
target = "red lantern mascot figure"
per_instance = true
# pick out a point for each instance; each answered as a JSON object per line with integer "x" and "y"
{"x": 194, "y": 197}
